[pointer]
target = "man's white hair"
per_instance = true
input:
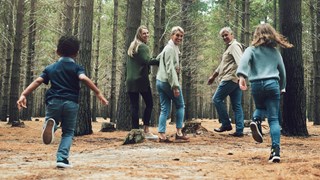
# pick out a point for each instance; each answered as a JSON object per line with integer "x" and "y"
{"x": 228, "y": 29}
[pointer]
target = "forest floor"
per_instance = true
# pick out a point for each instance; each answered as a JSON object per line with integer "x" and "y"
{"x": 209, "y": 155}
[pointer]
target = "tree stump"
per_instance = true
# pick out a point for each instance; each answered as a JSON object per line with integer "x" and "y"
{"x": 18, "y": 124}
{"x": 193, "y": 127}
{"x": 247, "y": 123}
{"x": 107, "y": 127}
{"x": 134, "y": 136}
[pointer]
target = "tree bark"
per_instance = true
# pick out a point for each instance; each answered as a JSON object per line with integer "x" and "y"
{"x": 316, "y": 59}
{"x": 154, "y": 69}
{"x": 6, "y": 77}
{"x": 15, "y": 71}
{"x": 310, "y": 65}
{"x": 76, "y": 17}
{"x": 67, "y": 17}
{"x": 27, "y": 113}
{"x": 275, "y": 14}
{"x": 84, "y": 125}
{"x": 113, "y": 98}
{"x": 96, "y": 64}
{"x": 187, "y": 57}
{"x": 294, "y": 104}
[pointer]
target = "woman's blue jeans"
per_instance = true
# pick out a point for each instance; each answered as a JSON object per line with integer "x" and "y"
{"x": 231, "y": 89}
{"x": 266, "y": 95}
{"x": 65, "y": 112}
{"x": 166, "y": 96}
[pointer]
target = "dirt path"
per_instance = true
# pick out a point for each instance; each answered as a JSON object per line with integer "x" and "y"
{"x": 207, "y": 156}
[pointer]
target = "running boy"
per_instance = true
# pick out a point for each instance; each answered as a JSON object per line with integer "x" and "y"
{"x": 62, "y": 97}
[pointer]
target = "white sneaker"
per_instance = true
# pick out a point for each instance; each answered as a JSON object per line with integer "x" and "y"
{"x": 48, "y": 131}
{"x": 151, "y": 136}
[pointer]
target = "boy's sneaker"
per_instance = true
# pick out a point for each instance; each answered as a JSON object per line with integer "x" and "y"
{"x": 150, "y": 136}
{"x": 275, "y": 155}
{"x": 48, "y": 131}
{"x": 255, "y": 127}
{"x": 63, "y": 164}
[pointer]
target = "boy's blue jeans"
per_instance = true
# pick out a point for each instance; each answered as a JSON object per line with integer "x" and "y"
{"x": 65, "y": 112}
{"x": 166, "y": 95}
{"x": 231, "y": 89}
{"x": 266, "y": 95}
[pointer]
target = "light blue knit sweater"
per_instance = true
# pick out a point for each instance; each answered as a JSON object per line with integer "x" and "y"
{"x": 262, "y": 62}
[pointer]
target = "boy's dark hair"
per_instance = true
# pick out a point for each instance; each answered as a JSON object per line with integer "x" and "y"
{"x": 68, "y": 46}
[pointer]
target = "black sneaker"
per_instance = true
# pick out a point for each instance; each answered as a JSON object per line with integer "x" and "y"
{"x": 258, "y": 121}
{"x": 275, "y": 155}
{"x": 63, "y": 164}
{"x": 255, "y": 127}
{"x": 236, "y": 134}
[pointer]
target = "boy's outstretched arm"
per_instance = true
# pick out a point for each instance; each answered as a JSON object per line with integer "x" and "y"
{"x": 94, "y": 88}
{"x": 22, "y": 102}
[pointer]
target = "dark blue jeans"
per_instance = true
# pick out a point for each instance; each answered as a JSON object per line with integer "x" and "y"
{"x": 66, "y": 112}
{"x": 134, "y": 104}
{"x": 231, "y": 89}
{"x": 266, "y": 95}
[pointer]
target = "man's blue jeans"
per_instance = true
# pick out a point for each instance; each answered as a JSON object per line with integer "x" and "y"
{"x": 266, "y": 95}
{"x": 166, "y": 95}
{"x": 231, "y": 89}
{"x": 65, "y": 112}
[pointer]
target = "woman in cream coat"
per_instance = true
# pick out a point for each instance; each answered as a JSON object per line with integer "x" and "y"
{"x": 168, "y": 85}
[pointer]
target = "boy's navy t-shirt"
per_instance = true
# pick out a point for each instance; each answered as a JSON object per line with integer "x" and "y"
{"x": 64, "y": 79}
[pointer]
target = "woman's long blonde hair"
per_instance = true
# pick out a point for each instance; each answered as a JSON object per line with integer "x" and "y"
{"x": 133, "y": 48}
{"x": 266, "y": 35}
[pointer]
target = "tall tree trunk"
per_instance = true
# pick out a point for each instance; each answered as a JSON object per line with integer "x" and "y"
{"x": 201, "y": 104}
{"x": 275, "y": 14}
{"x": 294, "y": 104}
{"x": 154, "y": 69}
{"x": 2, "y": 69}
{"x": 134, "y": 9}
{"x": 194, "y": 96}
{"x": 187, "y": 57}
{"x": 6, "y": 77}
{"x": 310, "y": 64}
{"x": 27, "y": 113}
{"x": 15, "y": 71}
{"x": 84, "y": 125}
{"x": 76, "y": 17}
{"x": 96, "y": 65}
{"x": 227, "y": 13}
{"x": 162, "y": 24}
{"x": 316, "y": 58}
{"x": 247, "y": 102}
{"x": 67, "y": 17}
{"x": 3, "y": 27}
{"x": 113, "y": 98}
{"x": 236, "y": 20}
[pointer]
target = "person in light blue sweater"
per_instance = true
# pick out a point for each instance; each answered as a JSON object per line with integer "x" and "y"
{"x": 262, "y": 64}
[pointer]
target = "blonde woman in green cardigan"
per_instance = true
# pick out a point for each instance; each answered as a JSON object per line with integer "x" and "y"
{"x": 168, "y": 85}
{"x": 137, "y": 80}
